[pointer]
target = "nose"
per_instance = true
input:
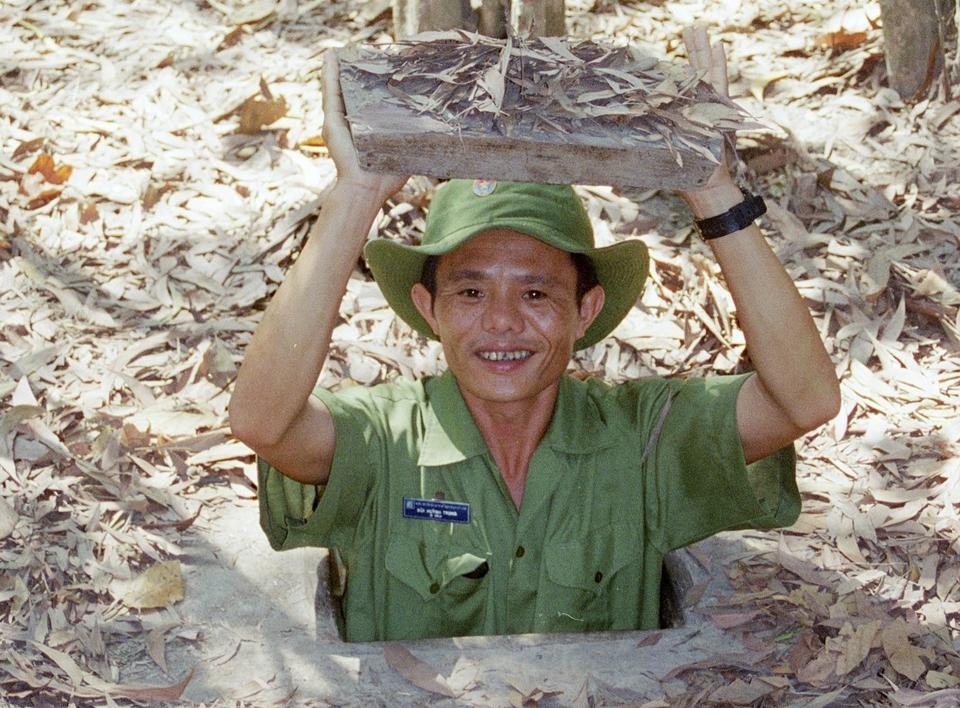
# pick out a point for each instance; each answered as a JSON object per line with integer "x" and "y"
{"x": 502, "y": 314}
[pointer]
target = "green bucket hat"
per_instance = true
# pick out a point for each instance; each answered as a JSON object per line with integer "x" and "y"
{"x": 554, "y": 214}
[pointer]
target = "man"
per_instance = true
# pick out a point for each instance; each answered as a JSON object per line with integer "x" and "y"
{"x": 505, "y": 496}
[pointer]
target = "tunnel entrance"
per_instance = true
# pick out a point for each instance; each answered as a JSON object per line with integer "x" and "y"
{"x": 681, "y": 572}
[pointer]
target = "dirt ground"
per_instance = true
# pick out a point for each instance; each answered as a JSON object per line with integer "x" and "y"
{"x": 148, "y": 209}
{"x": 255, "y": 628}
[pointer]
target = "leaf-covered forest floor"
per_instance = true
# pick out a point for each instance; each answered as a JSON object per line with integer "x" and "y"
{"x": 146, "y": 215}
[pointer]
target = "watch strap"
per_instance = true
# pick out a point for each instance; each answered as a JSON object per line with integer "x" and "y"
{"x": 732, "y": 220}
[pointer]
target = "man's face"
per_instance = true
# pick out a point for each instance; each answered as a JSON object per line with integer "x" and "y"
{"x": 506, "y": 313}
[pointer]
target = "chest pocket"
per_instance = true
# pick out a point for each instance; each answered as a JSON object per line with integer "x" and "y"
{"x": 587, "y": 578}
{"x": 448, "y": 581}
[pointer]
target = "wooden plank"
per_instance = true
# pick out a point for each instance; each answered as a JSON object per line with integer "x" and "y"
{"x": 393, "y": 135}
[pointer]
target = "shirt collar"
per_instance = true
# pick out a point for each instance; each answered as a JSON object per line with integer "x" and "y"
{"x": 450, "y": 435}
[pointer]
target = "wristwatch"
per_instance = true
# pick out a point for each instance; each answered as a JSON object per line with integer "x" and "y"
{"x": 739, "y": 217}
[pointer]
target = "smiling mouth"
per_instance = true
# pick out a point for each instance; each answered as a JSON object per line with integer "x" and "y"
{"x": 506, "y": 356}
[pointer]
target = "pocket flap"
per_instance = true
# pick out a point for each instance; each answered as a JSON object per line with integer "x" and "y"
{"x": 591, "y": 563}
{"x": 428, "y": 570}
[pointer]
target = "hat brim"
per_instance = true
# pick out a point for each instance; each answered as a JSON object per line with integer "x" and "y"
{"x": 621, "y": 270}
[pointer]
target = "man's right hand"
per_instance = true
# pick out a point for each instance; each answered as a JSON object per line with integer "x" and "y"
{"x": 339, "y": 141}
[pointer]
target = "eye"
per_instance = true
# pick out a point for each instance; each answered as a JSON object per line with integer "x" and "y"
{"x": 471, "y": 293}
{"x": 535, "y": 294}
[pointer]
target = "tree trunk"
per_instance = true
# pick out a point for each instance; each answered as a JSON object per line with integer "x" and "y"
{"x": 493, "y": 18}
{"x": 539, "y": 18}
{"x": 949, "y": 12}
{"x": 528, "y": 17}
{"x": 411, "y": 17}
{"x": 914, "y": 32}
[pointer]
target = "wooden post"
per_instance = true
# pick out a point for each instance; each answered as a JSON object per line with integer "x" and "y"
{"x": 913, "y": 32}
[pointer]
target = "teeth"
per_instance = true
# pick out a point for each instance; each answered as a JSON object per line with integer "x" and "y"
{"x": 505, "y": 356}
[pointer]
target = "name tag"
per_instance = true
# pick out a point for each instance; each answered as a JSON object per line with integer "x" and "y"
{"x": 436, "y": 510}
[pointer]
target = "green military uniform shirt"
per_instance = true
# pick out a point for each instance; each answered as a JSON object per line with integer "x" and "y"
{"x": 623, "y": 475}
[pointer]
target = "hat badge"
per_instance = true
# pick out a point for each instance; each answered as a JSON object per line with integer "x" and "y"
{"x": 484, "y": 187}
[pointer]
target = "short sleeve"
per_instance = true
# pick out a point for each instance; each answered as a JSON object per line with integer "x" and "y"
{"x": 294, "y": 514}
{"x": 284, "y": 503}
{"x": 703, "y": 484}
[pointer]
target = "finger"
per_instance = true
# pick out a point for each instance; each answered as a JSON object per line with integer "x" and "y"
{"x": 711, "y": 59}
{"x": 335, "y": 130}
{"x": 718, "y": 70}
{"x": 697, "y": 42}
{"x": 330, "y": 84}
{"x": 690, "y": 45}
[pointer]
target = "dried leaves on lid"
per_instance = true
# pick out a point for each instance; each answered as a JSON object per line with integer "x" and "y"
{"x": 548, "y": 84}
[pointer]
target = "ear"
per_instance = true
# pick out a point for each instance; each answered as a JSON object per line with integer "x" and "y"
{"x": 423, "y": 301}
{"x": 590, "y": 307}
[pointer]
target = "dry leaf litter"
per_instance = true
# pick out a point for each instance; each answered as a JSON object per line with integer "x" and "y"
{"x": 550, "y": 85}
{"x": 159, "y": 167}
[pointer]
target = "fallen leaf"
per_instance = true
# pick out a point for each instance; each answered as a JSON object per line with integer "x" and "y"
{"x": 842, "y": 40}
{"x": 525, "y": 696}
{"x": 156, "y": 647}
{"x": 38, "y": 197}
{"x": 16, "y": 414}
{"x": 905, "y": 657}
{"x": 907, "y": 698}
{"x": 745, "y": 693}
{"x": 44, "y": 165}
{"x": 417, "y": 672}
{"x": 759, "y": 84}
{"x": 733, "y": 619}
{"x": 218, "y": 365}
{"x": 161, "y": 585}
{"x": 856, "y": 645}
{"x": 64, "y": 661}
{"x": 89, "y": 214}
{"x": 27, "y": 147}
{"x": 649, "y": 640}
{"x": 231, "y": 39}
{"x": 152, "y": 693}
{"x": 877, "y": 276}
{"x": 8, "y": 518}
{"x": 824, "y": 700}
{"x": 132, "y": 437}
{"x": 815, "y": 663}
{"x": 258, "y": 113}
{"x": 940, "y": 679}
{"x": 254, "y": 11}
{"x": 803, "y": 569}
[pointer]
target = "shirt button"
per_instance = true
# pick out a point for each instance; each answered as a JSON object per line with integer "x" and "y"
{"x": 598, "y": 577}
{"x": 520, "y": 551}
{"x": 435, "y": 588}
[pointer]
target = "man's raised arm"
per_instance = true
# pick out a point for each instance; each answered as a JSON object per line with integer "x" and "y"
{"x": 271, "y": 408}
{"x": 796, "y": 388}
